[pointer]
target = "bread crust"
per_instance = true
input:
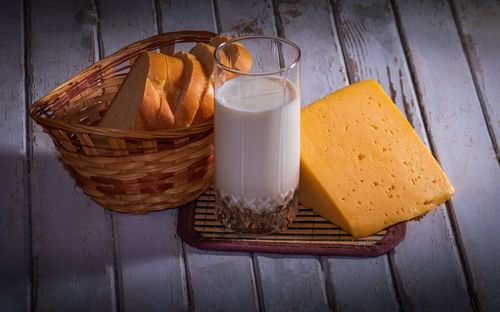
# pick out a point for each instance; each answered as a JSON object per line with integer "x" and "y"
{"x": 195, "y": 82}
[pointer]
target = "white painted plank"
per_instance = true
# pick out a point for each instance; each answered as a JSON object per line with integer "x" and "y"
{"x": 291, "y": 283}
{"x": 480, "y": 24}
{"x": 219, "y": 281}
{"x": 428, "y": 254}
{"x": 241, "y": 18}
{"x": 14, "y": 216}
{"x": 150, "y": 262}
{"x": 310, "y": 25}
{"x": 179, "y": 15}
{"x": 148, "y": 252}
{"x": 285, "y": 283}
{"x": 460, "y": 136}
{"x": 72, "y": 246}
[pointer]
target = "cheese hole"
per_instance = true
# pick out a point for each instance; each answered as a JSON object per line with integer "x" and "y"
{"x": 353, "y": 190}
{"x": 384, "y": 149}
{"x": 343, "y": 198}
{"x": 375, "y": 183}
{"x": 361, "y": 156}
{"x": 361, "y": 181}
{"x": 359, "y": 202}
{"x": 374, "y": 127}
{"x": 371, "y": 203}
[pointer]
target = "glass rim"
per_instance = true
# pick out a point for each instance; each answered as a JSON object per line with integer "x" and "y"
{"x": 235, "y": 71}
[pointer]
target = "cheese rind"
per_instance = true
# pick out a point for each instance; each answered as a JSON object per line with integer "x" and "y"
{"x": 363, "y": 167}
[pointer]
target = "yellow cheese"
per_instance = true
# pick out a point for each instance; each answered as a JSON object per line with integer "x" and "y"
{"x": 362, "y": 166}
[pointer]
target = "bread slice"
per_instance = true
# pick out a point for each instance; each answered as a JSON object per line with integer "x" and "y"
{"x": 205, "y": 54}
{"x": 234, "y": 55}
{"x": 206, "y": 109}
{"x": 195, "y": 82}
{"x": 142, "y": 103}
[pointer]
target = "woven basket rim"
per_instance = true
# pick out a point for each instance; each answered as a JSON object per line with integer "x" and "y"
{"x": 174, "y": 37}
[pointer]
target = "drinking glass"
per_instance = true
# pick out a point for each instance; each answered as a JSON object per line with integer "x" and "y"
{"x": 257, "y": 133}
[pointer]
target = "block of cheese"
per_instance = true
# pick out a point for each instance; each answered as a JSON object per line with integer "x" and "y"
{"x": 363, "y": 167}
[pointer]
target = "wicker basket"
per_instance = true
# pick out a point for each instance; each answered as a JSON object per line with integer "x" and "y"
{"x": 123, "y": 170}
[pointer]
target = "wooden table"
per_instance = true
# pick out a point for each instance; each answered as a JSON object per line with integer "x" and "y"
{"x": 438, "y": 60}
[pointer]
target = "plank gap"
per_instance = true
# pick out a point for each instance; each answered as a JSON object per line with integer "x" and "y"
{"x": 277, "y": 20}
{"x": 473, "y": 298}
{"x": 396, "y": 282}
{"x": 189, "y": 292}
{"x": 158, "y": 16}
{"x": 329, "y": 288}
{"x": 98, "y": 14}
{"x": 471, "y": 290}
{"x": 28, "y": 78}
{"x": 118, "y": 285}
{"x": 218, "y": 23}
{"x": 336, "y": 20}
{"x": 98, "y": 54}
{"x": 479, "y": 93}
{"x": 258, "y": 283}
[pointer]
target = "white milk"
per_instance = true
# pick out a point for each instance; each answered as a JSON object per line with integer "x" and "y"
{"x": 257, "y": 141}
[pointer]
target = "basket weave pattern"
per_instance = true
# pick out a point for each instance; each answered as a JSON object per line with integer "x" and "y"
{"x": 123, "y": 170}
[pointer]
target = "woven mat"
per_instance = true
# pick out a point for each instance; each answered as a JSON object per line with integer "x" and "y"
{"x": 309, "y": 234}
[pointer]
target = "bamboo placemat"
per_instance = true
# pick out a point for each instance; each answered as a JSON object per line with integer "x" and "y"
{"x": 308, "y": 234}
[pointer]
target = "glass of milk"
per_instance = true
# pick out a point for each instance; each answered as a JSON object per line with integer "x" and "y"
{"x": 257, "y": 134}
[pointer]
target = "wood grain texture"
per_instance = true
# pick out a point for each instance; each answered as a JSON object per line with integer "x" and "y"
{"x": 428, "y": 254}
{"x": 479, "y": 22}
{"x": 300, "y": 279}
{"x": 150, "y": 263}
{"x": 291, "y": 283}
{"x": 72, "y": 245}
{"x": 149, "y": 258}
{"x": 460, "y": 137}
{"x": 178, "y": 15}
{"x": 125, "y": 22}
{"x": 310, "y": 25}
{"x": 15, "y": 288}
{"x": 240, "y": 18}
{"x": 218, "y": 281}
